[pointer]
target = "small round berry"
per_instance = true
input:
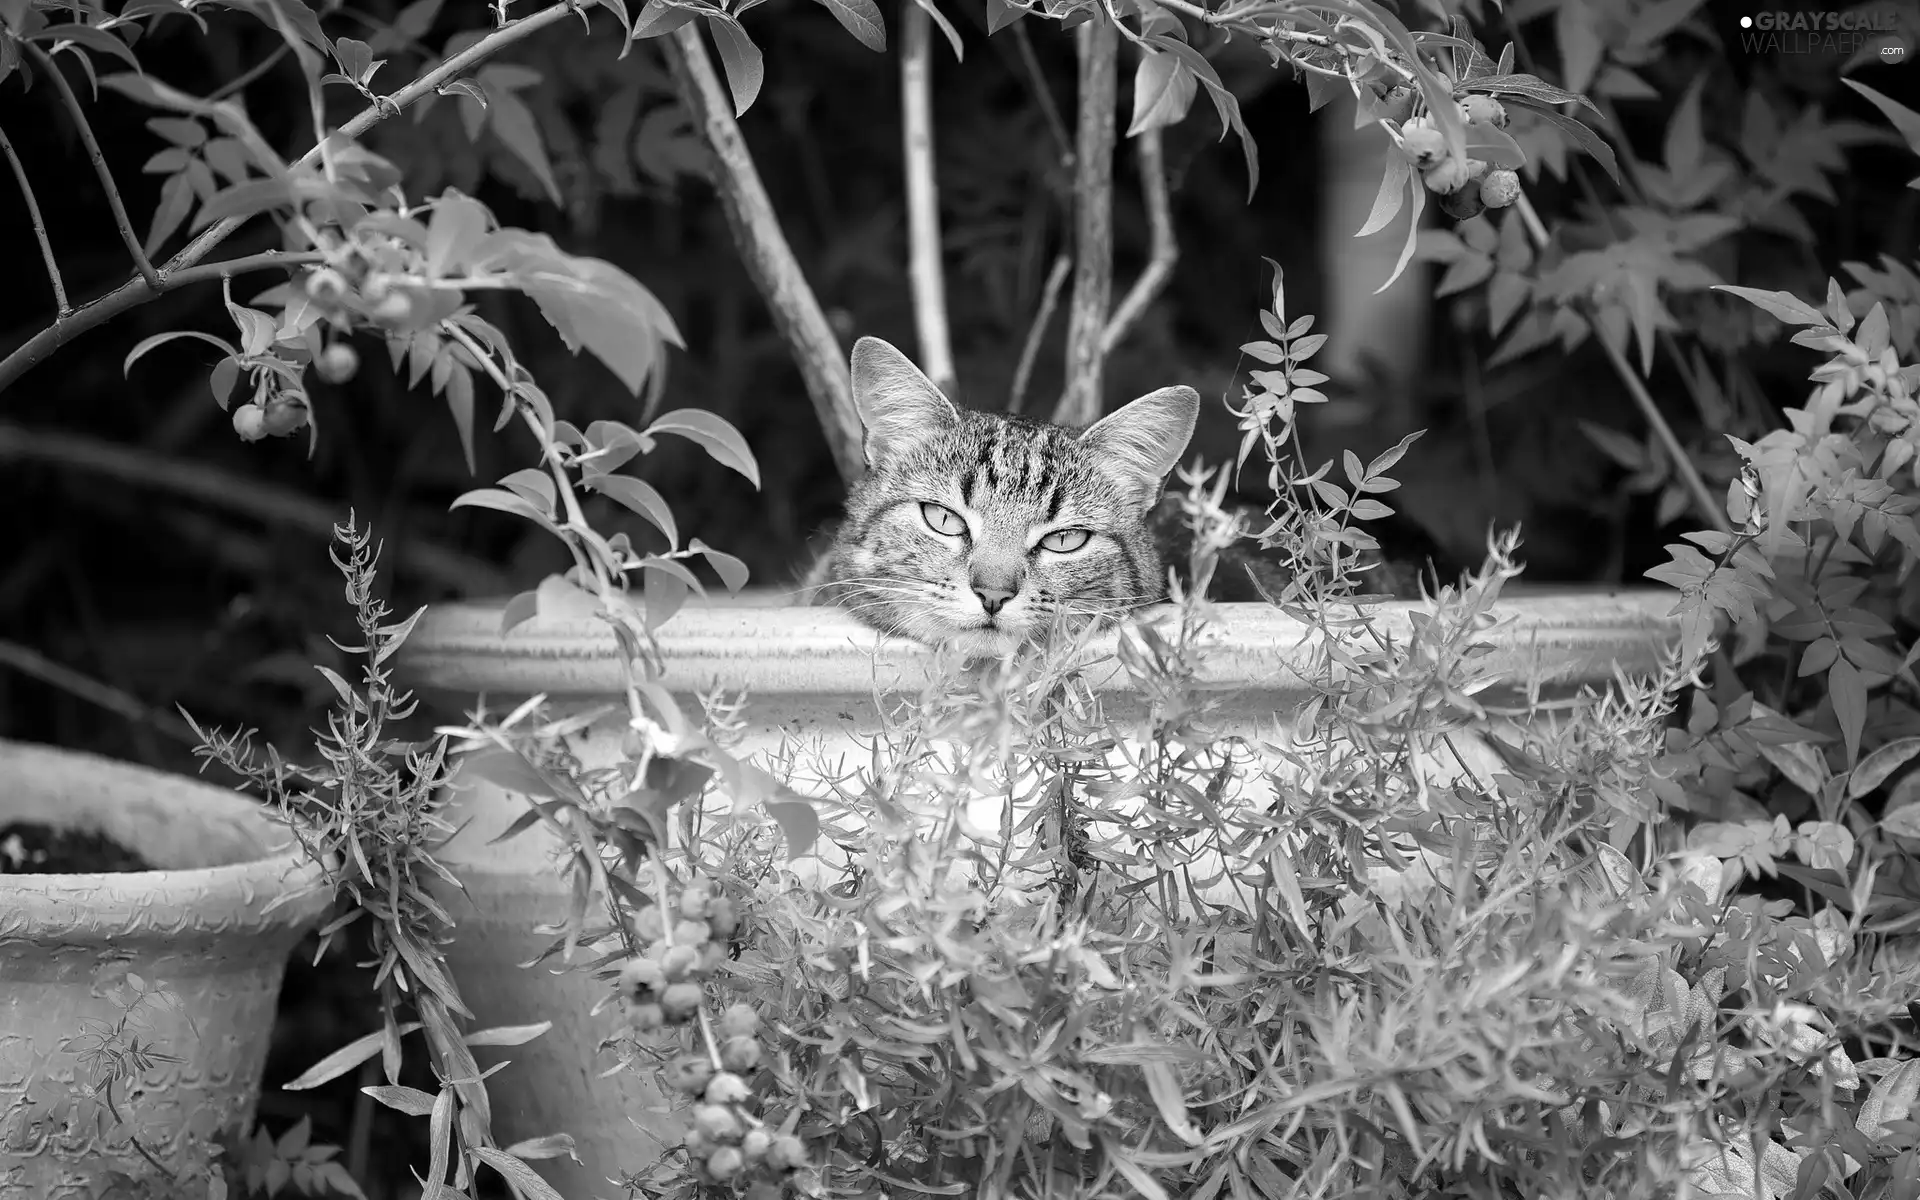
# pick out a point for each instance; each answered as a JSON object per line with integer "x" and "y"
{"x": 286, "y": 413}
{"x": 326, "y": 286}
{"x": 787, "y": 1153}
{"x": 1484, "y": 110}
{"x": 640, "y": 978}
{"x": 1423, "y": 145}
{"x": 723, "y": 1164}
{"x": 1463, "y": 205}
{"x": 1447, "y": 176}
{"x": 694, "y": 898}
{"x": 755, "y": 1143}
{"x": 645, "y": 1018}
{"x": 1500, "y": 188}
{"x": 740, "y": 1020}
{"x": 375, "y": 288}
{"x": 740, "y": 1054}
{"x": 647, "y": 924}
{"x": 713, "y": 956}
{"x": 727, "y": 1088}
{"x": 692, "y": 933}
{"x": 680, "y": 962}
{"x": 337, "y": 363}
{"x": 1477, "y": 168}
{"x": 392, "y": 309}
{"x": 690, "y": 1074}
{"x": 717, "y": 1122}
{"x": 680, "y": 1001}
{"x": 723, "y": 916}
{"x": 696, "y": 1143}
{"x": 250, "y": 422}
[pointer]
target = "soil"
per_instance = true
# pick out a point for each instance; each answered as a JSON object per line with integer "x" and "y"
{"x": 29, "y": 848}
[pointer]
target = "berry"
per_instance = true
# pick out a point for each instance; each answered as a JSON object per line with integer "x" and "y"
{"x": 680, "y": 1001}
{"x": 723, "y": 1164}
{"x": 1484, "y": 110}
{"x": 727, "y": 1088}
{"x": 722, "y": 917}
{"x": 680, "y": 962}
{"x": 786, "y": 1153}
{"x": 1463, "y": 205}
{"x": 755, "y": 1144}
{"x": 717, "y": 1123}
{"x": 1447, "y": 176}
{"x": 640, "y": 978}
{"x": 337, "y": 363}
{"x": 690, "y": 1075}
{"x": 1423, "y": 145}
{"x": 326, "y": 287}
{"x": 740, "y": 1020}
{"x": 695, "y": 1142}
{"x": 647, "y": 925}
{"x": 250, "y": 422}
{"x": 1500, "y": 188}
{"x": 740, "y": 1054}
{"x": 713, "y": 956}
{"x": 285, "y": 413}
{"x": 645, "y": 1018}
{"x": 694, "y": 899}
{"x": 692, "y": 933}
{"x": 375, "y": 288}
{"x": 392, "y": 309}
{"x": 1477, "y": 168}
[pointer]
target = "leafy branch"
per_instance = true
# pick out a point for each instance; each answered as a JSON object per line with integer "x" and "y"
{"x": 39, "y": 226}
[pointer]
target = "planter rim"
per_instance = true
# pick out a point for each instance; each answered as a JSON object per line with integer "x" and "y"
{"x": 255, "y": 861}
{"x": 1575, "y": 637}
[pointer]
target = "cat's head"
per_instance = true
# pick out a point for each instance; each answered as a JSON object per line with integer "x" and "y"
{"x": 981, "y": 530}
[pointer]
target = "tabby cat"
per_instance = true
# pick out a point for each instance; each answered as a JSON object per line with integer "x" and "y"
{"x": 979, "y": 530}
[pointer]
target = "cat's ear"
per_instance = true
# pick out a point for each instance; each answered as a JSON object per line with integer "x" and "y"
{"x": 899, "y": 407}
{"x": 1144, "y": 440}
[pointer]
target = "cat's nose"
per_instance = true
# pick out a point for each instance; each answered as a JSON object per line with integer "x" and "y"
{"x": 992, "y": 600}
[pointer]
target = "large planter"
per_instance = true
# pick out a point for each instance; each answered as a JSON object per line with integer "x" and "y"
{"x": 813, "y": 675}
{"x": 195, "y": 930}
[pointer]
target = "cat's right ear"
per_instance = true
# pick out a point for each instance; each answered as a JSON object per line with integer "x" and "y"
{"x": 899, "y": 407}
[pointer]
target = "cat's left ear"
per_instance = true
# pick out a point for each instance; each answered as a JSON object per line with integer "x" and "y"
{"x": 1144, "y": 440}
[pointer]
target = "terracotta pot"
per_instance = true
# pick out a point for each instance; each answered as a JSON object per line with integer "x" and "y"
{"x": 810, "y": 674}
{"x": 196, "y": 929}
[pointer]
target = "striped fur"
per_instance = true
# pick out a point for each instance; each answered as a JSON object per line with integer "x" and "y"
{"x": 982, "y": 530}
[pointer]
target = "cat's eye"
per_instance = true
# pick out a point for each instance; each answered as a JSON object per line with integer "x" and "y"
{"x": 942, "y": 519}
{"x": 1065, "y": 541}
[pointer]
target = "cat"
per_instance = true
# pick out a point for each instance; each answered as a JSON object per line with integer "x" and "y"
{"x": 979, "y": 530}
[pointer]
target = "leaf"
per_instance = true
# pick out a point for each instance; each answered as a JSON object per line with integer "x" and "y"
{"x": 346, "y": 1058}
{"x": 861, "y": 18}
{"x": 641, "y": 497}
{"x": 741, "y": 58}
{"x": 507, "y": 1035}
{"x": 1391, "y": 196}
{"x": 659, "y": 18}
{"x": 459, "y": 224}
{"x": 1224, "y": 101}
{"x": 1848, "y": 691}
{"x": 1824, "y": 845}
{"x": 732, "y": 572}
{"x": 513, "y": 123}
{"x": 1001, "y": 14}
{"x": 1172, "y": 1103}
{"x": 552, "y": 1145}
{"x": 176, "y": 204}
{"x": 945, "y": 26}
{"x": 1904, "y": 119}
{"x": 1785, "y": 306}
{"x": 505, "y": 502}
{"x": 721, "y": 440}
{"x": 508, "y": 770}
{"x": 1903, "y": 821}
{"x": 355, "y": 58}
{"x": 1419, "y": 193}
{"x": 1894, "y": 1097}
{"x": 1143, "y": 1183}
{"x": 91, "y": 38}
{"x": 244, "y": 200}
{"x": 1163, "y": 91}
{"x": 138, "y": 352}
{"x": 1878, "y": 766}
{"x": 518, "y": 611}
{"x": 411, "y": 1101}
{"x": 1583, "y": 136}
{"x": 523, "y": 1177}
{"x": 799, "y": 825}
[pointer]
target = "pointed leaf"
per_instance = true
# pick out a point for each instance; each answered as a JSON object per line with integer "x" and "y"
{"x": 861, "y": 18}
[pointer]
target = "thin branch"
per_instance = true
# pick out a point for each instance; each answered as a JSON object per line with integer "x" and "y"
{"x": 241, "y": 82}
{"x": 1166, "y": 249}
{"x": 36, "y": 665}
{"x": 224, "y": 489}
{"x": 1042, "y": 94}
{"x": 1098, "y": 47}
{"x": 1037, "y": 333}
{"x": 1642, "y": 399}
{"x": 52, "y": 71}
{"x": 138, "y": 290}
{"x": 924, "y": 270}
{"x": 132, "y": 295}
{"x": 765, "y": 252}
{"x": 39, "y": 227}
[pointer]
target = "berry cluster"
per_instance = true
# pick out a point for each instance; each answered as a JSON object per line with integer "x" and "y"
{"x": 682, "y": 948}
{"x": 1466, "y": 188}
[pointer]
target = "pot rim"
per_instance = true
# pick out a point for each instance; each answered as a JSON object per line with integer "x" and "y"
{"x": 1571, "y": 636}
{"x": 267, "y": 865}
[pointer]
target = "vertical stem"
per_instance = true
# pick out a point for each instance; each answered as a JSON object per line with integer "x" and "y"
{"x": 52, "y": 71}
{"x": 768, "y": 257}
{"x": 39, "y": 227}
{"x": 1037, "y": 333}
{"x": 924, "y": 269}
{"x": 1165, "y": 247}
{"x": 1097, "y": 43}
